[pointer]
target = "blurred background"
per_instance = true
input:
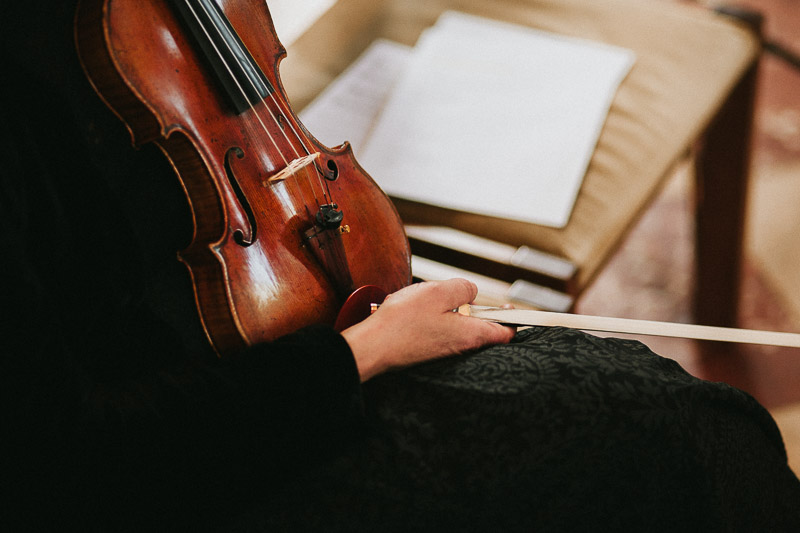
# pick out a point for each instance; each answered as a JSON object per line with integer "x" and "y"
{"x": 651, "y": 276}
{"x": 771, "y": 283}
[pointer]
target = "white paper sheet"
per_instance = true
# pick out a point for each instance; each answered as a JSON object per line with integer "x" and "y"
{"x": 486, "y": 117}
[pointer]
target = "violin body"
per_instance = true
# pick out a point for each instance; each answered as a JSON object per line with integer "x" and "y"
{"x": 264, "y": 259}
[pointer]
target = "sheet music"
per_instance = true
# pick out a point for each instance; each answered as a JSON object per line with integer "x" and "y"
{"x": 348, "y": 108}
{"x": 484, "y": 117}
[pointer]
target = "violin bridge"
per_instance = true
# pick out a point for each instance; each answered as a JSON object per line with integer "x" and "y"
{"x": 292, "y": 168}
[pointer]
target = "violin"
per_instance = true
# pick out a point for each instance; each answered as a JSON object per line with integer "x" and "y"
{"x": 284, "y": 228}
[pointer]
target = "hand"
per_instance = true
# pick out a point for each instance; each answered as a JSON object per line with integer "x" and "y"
{"x": 416, "y": 324}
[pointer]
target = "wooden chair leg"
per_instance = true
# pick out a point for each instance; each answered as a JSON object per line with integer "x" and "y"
{"x": 722, "y": 170}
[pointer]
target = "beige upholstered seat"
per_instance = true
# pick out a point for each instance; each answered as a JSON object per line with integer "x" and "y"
{"x": 689, "y": 61}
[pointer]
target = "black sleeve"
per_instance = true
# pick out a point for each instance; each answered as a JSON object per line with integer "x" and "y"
{"x": 113, "y": 407}
{"x": 187, "y": 442}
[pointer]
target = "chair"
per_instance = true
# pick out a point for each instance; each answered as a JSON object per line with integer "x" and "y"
{"x": 690, "y": 93}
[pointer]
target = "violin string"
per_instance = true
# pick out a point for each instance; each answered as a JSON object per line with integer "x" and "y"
{"x": 243, "y": 92}
{"x": 320, "y": 178}
{"x": 272, "y": 116}
{"x": 286, "y": 113}
{"x": 241, "y": 89}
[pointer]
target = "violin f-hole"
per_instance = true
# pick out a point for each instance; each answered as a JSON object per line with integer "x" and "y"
{"x": 149, "y": 60}
{"x": 248, "y": 236}
{"x": 332, "y": 172}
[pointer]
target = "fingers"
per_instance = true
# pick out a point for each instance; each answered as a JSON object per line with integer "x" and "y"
{"x": 487, "y": 332}
{"x": 501, "y": 334}
{"x": 436, "y": 296}
{"x": 415, "y": 324}
{"x": 448, "y": 294}
{"x": 456, "y": 292}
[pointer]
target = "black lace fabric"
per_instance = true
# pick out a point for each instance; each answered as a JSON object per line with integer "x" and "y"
{"x": 557, "y": 431}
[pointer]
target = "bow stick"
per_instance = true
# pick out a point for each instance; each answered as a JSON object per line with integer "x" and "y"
{"x": 521, "y": 317}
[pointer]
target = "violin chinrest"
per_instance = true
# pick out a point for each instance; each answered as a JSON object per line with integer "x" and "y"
{"x": 358, "y": 306}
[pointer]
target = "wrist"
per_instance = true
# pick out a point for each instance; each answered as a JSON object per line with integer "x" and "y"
{"x": 367, "y": 356}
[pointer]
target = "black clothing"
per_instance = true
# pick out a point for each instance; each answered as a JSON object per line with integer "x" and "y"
{"x": 557, "y": 431}
{"x": 119, "y": 416}
{"x": 112, "y": 395}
